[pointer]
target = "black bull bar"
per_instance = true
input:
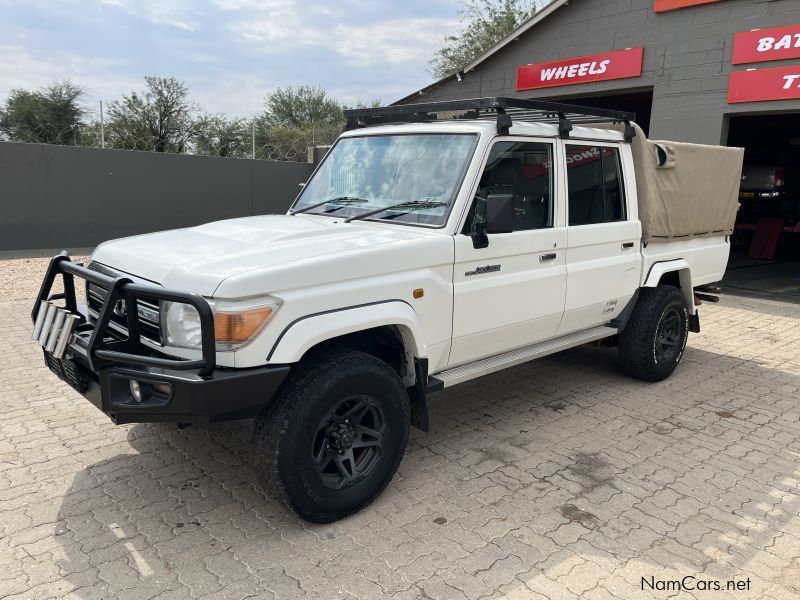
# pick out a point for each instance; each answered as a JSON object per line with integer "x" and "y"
{"x": 56, "y": 328}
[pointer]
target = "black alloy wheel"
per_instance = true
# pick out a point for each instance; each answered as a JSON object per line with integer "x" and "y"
{"x": 668, "y": 336}
{"x": 653, "y": 341}
{"x": 334, "y": 435}
{"x": 349, "y": 442}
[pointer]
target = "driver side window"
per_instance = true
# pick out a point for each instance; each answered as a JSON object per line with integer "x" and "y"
{"x": 524, "y": 170}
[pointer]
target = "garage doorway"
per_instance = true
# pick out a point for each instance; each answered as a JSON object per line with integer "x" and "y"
{"x": 640, "y": 102}
{"x": 765, "y": 257}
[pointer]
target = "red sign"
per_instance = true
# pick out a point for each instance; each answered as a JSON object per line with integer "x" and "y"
{"x": 766, "y": 44}
{"x": 665, "y": 5}
{"x": 760, "y": 85}
{"x": 583, "y": 69}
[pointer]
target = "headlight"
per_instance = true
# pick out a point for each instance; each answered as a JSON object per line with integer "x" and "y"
{"x": 236, "y": 322}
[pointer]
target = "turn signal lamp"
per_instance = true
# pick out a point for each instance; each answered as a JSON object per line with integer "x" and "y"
{"x": 240, "y": 327}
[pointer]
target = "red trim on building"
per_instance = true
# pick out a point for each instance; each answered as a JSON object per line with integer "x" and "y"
{"x": 666, "y": 5}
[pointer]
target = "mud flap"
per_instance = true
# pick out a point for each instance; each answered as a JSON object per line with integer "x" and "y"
{"x": 694, "y": 322}
{"x": 418, "y": 395}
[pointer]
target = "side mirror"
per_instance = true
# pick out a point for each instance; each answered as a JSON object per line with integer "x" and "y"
{"x": 500, "y": 213}
{"x": 494, "y": 214}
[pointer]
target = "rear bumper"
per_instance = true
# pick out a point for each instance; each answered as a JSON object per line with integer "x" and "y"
{"x": 172, "y": 395}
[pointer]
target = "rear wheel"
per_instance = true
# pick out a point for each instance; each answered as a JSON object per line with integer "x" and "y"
{"x": 335, "y": 435}
{"x": 653, "y": 342}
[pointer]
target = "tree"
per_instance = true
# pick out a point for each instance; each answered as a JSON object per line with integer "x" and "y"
{"x": 485, "y": 23}
{"x": 52, "y": 115}
{"x": 302, "y": 107}
{"x": 374, "y": 103}
{"x": 160, "y": 118}
{"x": 216, "y": 135}
{"x": 294, "y": 119}
{"x": 281, "y": 143}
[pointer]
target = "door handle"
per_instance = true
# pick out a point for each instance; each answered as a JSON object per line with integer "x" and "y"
{"x": 627, "y": 245}
{"x": 544, "y": 257}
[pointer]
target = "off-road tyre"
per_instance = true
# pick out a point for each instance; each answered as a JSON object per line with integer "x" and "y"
{"x": 288, "y": 435}
{"x": 654, "y": 339}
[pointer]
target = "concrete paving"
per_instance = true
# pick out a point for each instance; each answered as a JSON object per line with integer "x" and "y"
{"x": 557, "y": 479}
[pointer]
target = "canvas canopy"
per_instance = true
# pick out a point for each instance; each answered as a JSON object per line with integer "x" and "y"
{"x": 686, "y": 190}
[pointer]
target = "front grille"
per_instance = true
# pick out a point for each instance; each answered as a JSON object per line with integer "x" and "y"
{"x": 149, "y": 310}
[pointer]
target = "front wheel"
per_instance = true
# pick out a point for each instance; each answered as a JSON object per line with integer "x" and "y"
{"x": 334, "y": 437}
{"x": 653, "y": 342}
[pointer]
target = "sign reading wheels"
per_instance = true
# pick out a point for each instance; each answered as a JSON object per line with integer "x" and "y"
{"x": 765, "y": 84}
{"x": 665, "y": 5}
{"x": 583, "y": 69}
{"x": 761, "y": 45}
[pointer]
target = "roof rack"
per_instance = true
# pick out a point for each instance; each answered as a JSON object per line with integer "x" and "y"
{"x": 500, "y": 108}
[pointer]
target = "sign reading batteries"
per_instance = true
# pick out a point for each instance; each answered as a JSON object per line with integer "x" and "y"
{"x": 583, "y": 69}
{"x": 761, "y": 45}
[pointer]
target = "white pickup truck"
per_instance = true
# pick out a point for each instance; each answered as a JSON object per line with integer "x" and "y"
{"x": 434, "y": 244}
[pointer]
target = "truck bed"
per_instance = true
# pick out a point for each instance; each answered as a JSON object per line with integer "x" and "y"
{"x": 707, "y": 256}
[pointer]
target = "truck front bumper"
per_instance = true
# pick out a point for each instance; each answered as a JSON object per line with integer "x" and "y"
{"x": 164, "y": 395}
{"x": 125, "y": 378}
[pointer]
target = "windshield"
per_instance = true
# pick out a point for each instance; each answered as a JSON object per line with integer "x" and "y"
{"x": 366, "y": 173}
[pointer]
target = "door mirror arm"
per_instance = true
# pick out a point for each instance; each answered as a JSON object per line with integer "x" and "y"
{"x": 479, "y": 237}
{"x": 478, "y": 232}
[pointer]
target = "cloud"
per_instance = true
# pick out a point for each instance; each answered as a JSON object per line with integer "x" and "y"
{"x": 276, "y": 26}
{"x": 393, "y": 41}
{"x": 238, "y": 94}
{"x": 21, "y": 69}
{"x": 263, "y": 6}
{"x": 231, "y": 53}
{"x": 275, "y": 35}
{"x": 182, "y": 14}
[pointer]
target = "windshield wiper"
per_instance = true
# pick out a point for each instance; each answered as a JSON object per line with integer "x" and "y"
{"x": 413, "y": 205}
{"x": 340, "y": 200}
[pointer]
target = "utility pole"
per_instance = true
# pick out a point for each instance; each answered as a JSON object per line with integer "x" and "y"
{"x": 254, "y": 138}
{"x": 102, "y": 127}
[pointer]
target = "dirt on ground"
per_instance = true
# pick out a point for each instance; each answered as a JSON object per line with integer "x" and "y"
{"x": 20, "y": 278}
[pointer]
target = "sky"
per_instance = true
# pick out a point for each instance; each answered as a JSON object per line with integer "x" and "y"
{"x": 231, "y": 53}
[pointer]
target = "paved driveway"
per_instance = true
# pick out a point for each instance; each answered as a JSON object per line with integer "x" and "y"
{"x": 557, "y": 479}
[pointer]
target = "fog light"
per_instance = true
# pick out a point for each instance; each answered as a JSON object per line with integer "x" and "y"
{"x": 136, "y": 390}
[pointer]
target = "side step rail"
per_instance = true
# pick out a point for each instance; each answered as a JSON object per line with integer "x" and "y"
{"x": 499, "y": 362}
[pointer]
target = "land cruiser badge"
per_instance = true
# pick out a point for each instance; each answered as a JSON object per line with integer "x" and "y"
{"x": 483, "y": 270}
